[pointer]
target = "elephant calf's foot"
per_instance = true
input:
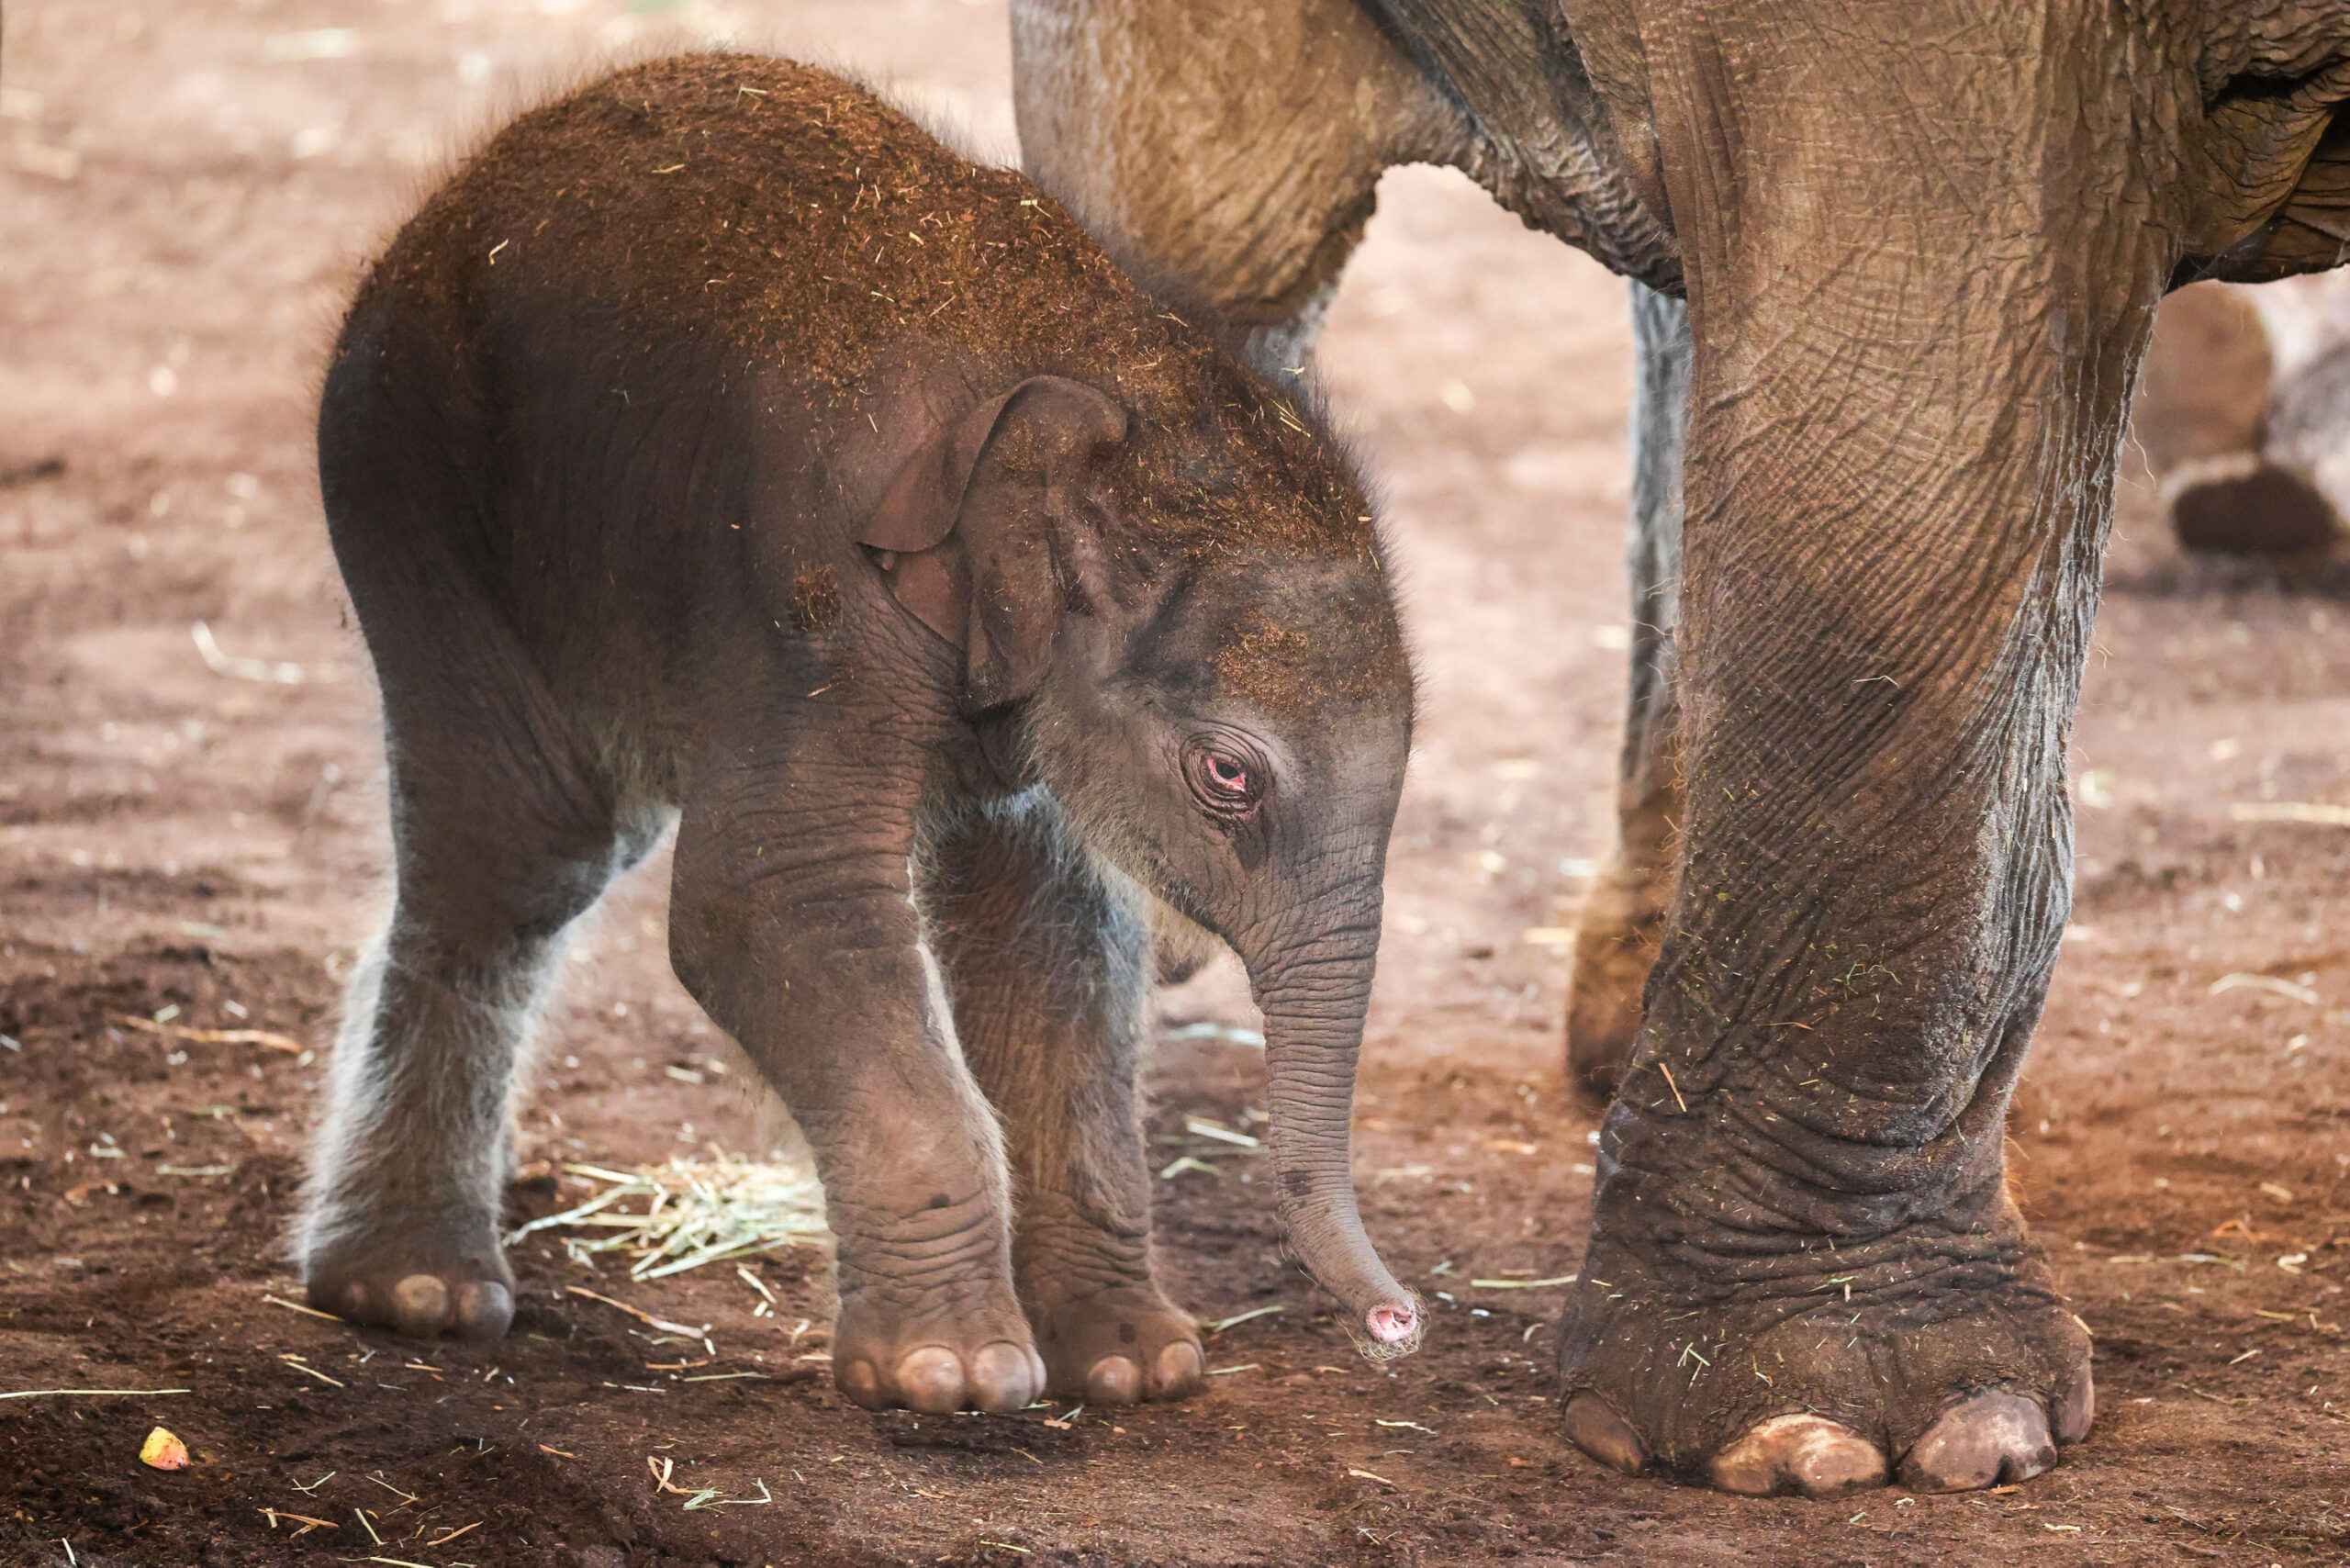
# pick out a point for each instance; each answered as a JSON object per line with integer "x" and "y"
{"x": 936, "y": 1350}
{"x": 1951, "y": 1365}
{"x": 1118, "y": 1346}
{"x": 424, "y": 1278}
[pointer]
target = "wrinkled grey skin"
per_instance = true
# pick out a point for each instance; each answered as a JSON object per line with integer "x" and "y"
{"x": 1919, "y": 249}
{"x": 929, "y": 663}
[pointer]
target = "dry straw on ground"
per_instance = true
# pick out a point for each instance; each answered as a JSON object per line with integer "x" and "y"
{"x": 691, "y": 1212}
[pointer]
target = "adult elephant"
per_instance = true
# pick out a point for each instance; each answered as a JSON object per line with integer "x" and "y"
{"x": 1894, "y": 267}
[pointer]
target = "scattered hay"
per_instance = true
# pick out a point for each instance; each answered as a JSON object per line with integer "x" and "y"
{"x": 2242, "y": 980}
{"x": 2291, "y": 811}
{"x": 706, "y": 1496}
{"x": 694, "y": 1213}
{"x": 1221, "y": 1324}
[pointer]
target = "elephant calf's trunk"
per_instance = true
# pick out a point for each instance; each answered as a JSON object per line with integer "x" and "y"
{"x": 1327, "y": 1236}
{"x": 1310, "y": 1049}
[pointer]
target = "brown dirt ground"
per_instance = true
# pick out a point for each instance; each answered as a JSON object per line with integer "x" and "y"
{"x": 186, "y": 188}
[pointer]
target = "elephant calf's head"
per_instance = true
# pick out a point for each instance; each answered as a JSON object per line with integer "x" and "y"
{"x": 1181, "y": 614}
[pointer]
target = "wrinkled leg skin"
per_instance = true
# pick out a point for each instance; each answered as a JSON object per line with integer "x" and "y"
{"x": 412, "y": 1160}
{"x": 1616, "y": 938}
{"x": 497, "y": 847}
{"x": 1047, "y": 957}
{"x": 793, "y": 923}
{"x": 1806, "y": 1272}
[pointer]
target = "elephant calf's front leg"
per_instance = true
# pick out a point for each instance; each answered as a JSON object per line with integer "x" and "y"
{"x": 793, "y": 927}
{"x": 1047, "y": 960}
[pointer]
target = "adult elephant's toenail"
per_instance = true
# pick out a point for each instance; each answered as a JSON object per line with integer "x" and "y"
{"x": 2076, "y": 1409}
{"x": 485, "y": 1309}
{"x": 1177, "y": 1369}
{"x": 1802, "y": 1454}
{"x": 860, "y": 1382}
{"x": 1594, "y": 1426}
{"x": 1989, "y": 1439}
{"x": 420, "y": 1304}
{"x": 931, "y": 1380}
{"x": 1004, "y": 1377}
{"x": 1113, "y": 1380}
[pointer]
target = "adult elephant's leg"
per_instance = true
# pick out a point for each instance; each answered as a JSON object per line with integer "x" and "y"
{"x": 1805, "y": 1267}
{"x": 1048, "y": 964}
{"x": 1231, "y": 147}
{"x": 1625, "y": 920}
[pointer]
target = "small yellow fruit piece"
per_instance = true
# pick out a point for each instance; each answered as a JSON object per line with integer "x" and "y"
{"x": 163, "y": 1451}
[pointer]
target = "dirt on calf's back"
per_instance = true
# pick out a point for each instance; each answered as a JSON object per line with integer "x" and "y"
{"x": 685, "y": 182}
{"x": 799, "y": 223}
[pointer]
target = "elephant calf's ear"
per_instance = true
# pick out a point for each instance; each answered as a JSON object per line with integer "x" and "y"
{"x": 967, "y": 526}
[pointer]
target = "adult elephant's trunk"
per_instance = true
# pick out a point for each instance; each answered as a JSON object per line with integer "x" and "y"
{"x": 1313, "y": 993}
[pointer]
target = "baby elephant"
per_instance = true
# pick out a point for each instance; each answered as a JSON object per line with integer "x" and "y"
{"x": 716, "y": 441}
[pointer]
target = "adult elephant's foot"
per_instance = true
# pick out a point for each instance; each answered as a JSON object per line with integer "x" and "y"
{"x": 1614, "y": 944}
{"x": 1119, "y": 1345}
{"x": 936, "y": 1350}
{"x": 418, "y": 1274}
{"x": 1716, "y": 1336}
{"x": 1939, "y": 1370}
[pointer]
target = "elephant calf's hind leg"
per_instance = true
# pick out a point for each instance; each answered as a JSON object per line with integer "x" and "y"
{"x": 498, "y": 850}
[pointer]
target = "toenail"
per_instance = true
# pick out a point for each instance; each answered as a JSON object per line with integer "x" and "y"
{"x": 931, "y": 1380}
{"x": 1594, "y": 1426}
{"x": 1113, "y": 1380}
{"x": 485, "y": 1308}
{"x": 2076, "y": 1410}
{"x": 1797, "y": 1453}
{"x": 1177, "y": 1369}
{"x": 420, "y": 1304}
{"x": 1002, "y": 1377}
{"x": 861, "y": 1384}
{"x": 1990, "y": 1438}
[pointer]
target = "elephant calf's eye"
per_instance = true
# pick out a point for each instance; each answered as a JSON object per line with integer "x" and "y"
{"x": 1227, "y": 778}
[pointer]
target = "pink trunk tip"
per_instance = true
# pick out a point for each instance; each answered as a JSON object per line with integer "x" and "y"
{"x": 1392, "y": 1323}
